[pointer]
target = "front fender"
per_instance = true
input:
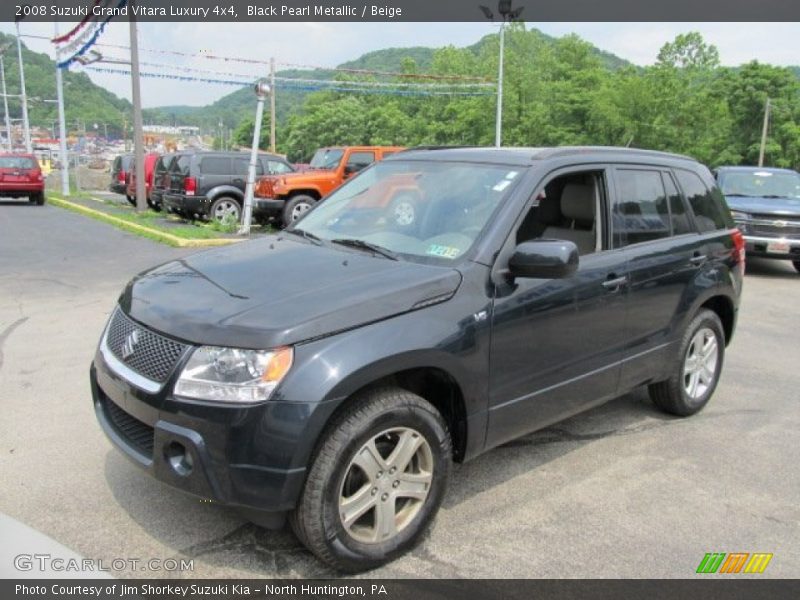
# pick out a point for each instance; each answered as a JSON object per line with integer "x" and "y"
{"x": 329, "y": 371}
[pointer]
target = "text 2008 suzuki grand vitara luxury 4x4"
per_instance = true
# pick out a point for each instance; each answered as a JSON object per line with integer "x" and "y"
{"x": 334, "y": 371}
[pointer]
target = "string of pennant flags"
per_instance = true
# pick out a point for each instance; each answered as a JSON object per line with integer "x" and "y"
{"x": 370, "y": 87}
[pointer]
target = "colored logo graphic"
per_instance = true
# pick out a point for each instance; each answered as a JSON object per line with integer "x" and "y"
{"x": 735, "y": 562}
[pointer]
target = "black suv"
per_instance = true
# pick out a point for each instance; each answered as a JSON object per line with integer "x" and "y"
{"x": 334, "y": 371}
{"x": 211, "y": 184}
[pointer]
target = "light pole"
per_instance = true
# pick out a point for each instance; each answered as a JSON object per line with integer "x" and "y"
{"x": 62, "y": 125}
{"x": 262, "y": 90}
{"x": 5, "y": 103}
{"x": 138, "y": 128}
{"x": 506, "y": 14}
{"x": 25, "y": 124}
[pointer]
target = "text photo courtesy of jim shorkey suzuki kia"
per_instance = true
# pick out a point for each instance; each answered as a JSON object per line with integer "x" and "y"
{"x": 426, "y": 295}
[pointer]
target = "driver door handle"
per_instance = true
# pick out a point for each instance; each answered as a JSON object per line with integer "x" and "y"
{"x": 613, "y": 284}
{"x": 698, "y": 259}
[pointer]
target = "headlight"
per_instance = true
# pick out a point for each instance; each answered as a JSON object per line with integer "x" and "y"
{"x": 740, "y": 216}
{"x": 233, "y": 375}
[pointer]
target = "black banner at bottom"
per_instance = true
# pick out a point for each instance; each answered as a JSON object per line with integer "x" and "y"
{"x": 402, "y": 589}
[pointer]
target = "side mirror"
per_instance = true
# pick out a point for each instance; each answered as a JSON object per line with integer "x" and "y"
{"x": 351, "y": 168}
{"x": 544, "y": 259}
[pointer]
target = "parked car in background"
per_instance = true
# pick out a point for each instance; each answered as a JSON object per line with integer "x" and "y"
{"x": 160, "y": 179}
{"x": 765, "y": 204}
{"x": 20, "y": 175}
{"x": 120, "y": 171}
{"x": 333, "y": 372}
{"x": 149, "y": 163}
{"x": 211, "y": 184}
{"x": 288, "y": 197}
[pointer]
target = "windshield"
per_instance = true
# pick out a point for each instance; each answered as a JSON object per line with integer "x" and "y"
{"x": 761, "y": 184}
{"x": 432, "y": 211}
{"x": 326, "y": 158}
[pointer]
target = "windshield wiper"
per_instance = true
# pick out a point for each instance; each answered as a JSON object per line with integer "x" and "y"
{"x": 305, "y": 234}
{"x": 775, "y": 196}
{"x": 361, "y": 244}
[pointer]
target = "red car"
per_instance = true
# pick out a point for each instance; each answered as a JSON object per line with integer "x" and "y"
{"x": 149, "y": 164}
{"x": 20, "y": 175}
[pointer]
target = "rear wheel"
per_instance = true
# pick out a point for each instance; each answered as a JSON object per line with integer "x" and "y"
{"x": 696, "y": 374}
{"x": 296, "y": 207}
{"x": 226, "y": 210}
{"x": 37, "y": 198}
{"x": 131, "y": 199}
{"x": 376, "y": 481}
{"x": 796, "y": 264}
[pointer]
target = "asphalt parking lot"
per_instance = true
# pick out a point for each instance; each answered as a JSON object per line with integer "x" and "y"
{"x": 620, "y": 491}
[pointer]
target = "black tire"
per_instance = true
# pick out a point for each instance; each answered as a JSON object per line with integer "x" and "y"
{"x": 37, "y": 198}
{"x": 796, "y": 264}
{"x": 153, "y": 205}
{"x": 372, "y": 416}
{"x": 225, "y": 205}
{"x": 131, "y": 199}
{"x": 296, "y": 207}
{"x": 672, "y": 395}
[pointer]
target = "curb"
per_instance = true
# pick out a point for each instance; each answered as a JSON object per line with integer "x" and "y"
{"x": 157, "y": 234}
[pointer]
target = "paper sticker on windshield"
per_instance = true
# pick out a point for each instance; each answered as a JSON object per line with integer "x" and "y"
{"x": 762, "y": 174}
{"x": 443, "y": 251}
{"x": 511, "y": 174}
{"x": 502, "y": 185}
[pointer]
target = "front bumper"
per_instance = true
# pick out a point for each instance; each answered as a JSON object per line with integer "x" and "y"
{"x": 763, "y": 247}
{"x": 268, "y": 207}
{"x": 240, "y": 456}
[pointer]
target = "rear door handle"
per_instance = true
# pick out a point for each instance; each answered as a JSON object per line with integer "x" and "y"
{"x": 698, "y": 259}
{"x": 613, "y": 284}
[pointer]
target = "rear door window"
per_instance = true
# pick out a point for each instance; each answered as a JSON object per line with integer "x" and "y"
{"x": 708, "y": 205}
{"x": 359, "y": 160}
{"x": 215, "y": 165}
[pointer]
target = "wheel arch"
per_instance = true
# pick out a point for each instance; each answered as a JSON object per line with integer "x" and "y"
{"x": 313, "y": 192}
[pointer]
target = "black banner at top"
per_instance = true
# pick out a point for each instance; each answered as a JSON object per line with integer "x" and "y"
{"x": 401, "y": 10}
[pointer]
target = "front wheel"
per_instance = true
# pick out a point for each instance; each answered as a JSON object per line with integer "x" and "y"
{"x": 296, "y": 207}
{"x": 376, "y": 481}
{"x": 131, "y": 199}
{"x": 796, "y": 264}
{"x": 696, "y": 374}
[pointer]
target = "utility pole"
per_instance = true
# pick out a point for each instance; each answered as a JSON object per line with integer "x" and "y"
{"x": 272, "y": 105}
{"x": 262, "y": 89}
{"x": 5, "y": 104}
{"x": 62, "y": 125}
{"x": 138, "y": 133}
{"x": 25, "y": 124}
{"x": 498, "y": 124}
{"x": 764, "y": 130}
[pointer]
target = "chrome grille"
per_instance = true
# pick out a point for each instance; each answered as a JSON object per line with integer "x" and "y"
{"x": 144, "y": 351}
{"x": 777, "y": 228}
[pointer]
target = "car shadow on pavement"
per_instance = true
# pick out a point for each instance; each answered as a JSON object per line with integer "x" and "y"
{"x": 221, "y": 540}
{"x": 17, "y": 202}
{"x": 766, "y": 268}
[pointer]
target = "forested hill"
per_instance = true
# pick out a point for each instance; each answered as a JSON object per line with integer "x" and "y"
{"x": 86, "y": 103}
{"x": 238, "y": 105}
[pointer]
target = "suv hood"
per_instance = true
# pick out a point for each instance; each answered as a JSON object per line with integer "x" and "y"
{"x": 765, "y": 206}
{"x": 277, "y": 291}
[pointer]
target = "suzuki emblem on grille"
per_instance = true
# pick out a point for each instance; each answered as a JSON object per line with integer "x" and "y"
{"x": 780, "y": 223}
{"x": 130, "y": 343}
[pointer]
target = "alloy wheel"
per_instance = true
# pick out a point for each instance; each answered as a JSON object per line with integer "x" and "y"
{"x": 700, "y": 364}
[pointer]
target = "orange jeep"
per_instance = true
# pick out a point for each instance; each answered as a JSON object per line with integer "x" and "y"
{"x": 292, "y": 194}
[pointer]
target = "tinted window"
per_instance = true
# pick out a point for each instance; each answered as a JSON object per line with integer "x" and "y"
{"x": 709, "y": 207}
{"x": 240, "y": 166}
{"x": 641, "y": 210}
{"x": 679, "y": 217}
{"x": 216, "y": 165}
{"x": 181, "y": 164}
{"x": 359, "y": 160}
{"x": 277, "y": 167}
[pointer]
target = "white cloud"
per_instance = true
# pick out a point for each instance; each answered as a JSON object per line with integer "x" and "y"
{"x": 329, "y": 44}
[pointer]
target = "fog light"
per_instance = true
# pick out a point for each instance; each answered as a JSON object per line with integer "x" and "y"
{"x": 179, "y": 458}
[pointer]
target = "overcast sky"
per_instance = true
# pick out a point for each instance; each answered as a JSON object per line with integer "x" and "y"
{"x": 329, "y": 44}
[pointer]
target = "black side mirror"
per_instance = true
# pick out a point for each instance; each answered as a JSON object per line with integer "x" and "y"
{"x": 544, "y": 259}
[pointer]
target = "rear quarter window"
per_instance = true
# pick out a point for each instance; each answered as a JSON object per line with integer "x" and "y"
{"x": 708, "y": 205}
